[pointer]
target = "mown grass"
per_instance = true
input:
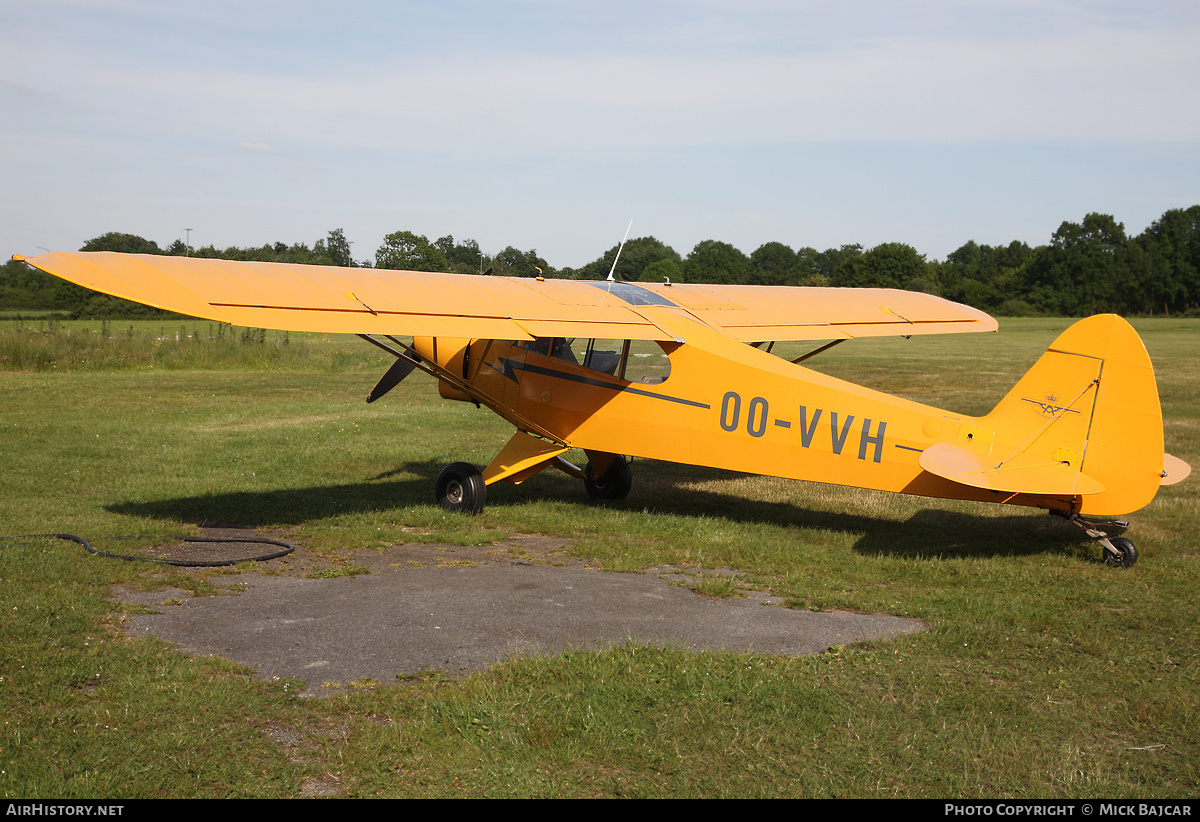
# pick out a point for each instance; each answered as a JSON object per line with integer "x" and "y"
{"x": 1044, "y": 672}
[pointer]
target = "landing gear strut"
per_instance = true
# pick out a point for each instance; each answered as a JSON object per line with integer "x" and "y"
{"x": 1118, "y": 551}
{"x": 461, "y": 486}
{"x": 614, "y": 485}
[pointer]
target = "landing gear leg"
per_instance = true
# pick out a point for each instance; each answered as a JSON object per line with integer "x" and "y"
{"x": 614, "y": 484}
{"x": 1118, "y": 551}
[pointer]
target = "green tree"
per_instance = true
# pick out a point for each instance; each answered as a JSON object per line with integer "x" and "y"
{"x": 1172, "y": 248}
{"x": 1084, "y": 270}
{"x": 637, "y": 254}
{"x": 774, "y": 264}
{"x": 808, "y": 272}
{"x": 661, "y": 271}
{"x": 827, "y": 262}
{"x": 337, "y": 248}
{"x": 888, "y": 265}
{"x": 124, "y": 243}
{"x": 512, "y": 262}
{"x": 981, "y": 275}
{"x": 406, "y": 251}
{"x": 25, "y": 287}
{"x": 713, "y": 261}
{"x": 464, "y": 257}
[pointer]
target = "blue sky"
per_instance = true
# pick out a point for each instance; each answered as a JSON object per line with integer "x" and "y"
{"x": 549, "y": 124}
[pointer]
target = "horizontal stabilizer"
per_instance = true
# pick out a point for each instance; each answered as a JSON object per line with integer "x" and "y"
{"x": 1023, "y": 474}
{"x": 1174, "y": 470}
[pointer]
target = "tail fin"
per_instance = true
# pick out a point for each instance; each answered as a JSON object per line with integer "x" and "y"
{"x": 1090, "y": 402}
{"x": 1084, "y": 422}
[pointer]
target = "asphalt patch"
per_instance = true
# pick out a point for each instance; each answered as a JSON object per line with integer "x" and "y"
{"x": 452, "y": 609}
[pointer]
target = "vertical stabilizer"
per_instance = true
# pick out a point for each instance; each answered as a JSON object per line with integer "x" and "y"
{"x": 1090, "y": 402}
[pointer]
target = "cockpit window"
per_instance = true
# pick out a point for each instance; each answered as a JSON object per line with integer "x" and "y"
{"x": 646, "y": 362}
{"x": 538, "y": 345}
{"x": 558, "y": 347}
{"x": 604, "y": 356}
{"x": 561, "y": 349}
{"x": 641, "y": 361}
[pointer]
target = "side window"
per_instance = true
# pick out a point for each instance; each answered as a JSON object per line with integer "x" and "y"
{"x": 641, "y": 361}
{"x": 538, "y": 345}
{"x": 561, "y": 349}
{"x": 646, "y": 362}
{"x": 558, "y": 347}
{"x": 604, "y": 356}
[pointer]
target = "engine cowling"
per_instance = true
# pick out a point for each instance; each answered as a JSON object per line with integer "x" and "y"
{"x": 447, "y": 352}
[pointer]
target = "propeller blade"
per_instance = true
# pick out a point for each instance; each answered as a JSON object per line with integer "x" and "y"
{"x": 400, "y": 369}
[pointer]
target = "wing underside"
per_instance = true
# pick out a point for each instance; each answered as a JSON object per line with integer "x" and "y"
{"x": 380, "y": 301}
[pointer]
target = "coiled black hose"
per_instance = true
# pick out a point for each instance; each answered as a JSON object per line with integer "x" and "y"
{"x": 286, "y": 546}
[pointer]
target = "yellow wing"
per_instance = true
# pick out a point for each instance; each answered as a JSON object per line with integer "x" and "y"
{"x": 757, "y": 313}
{"x": 381, "y": 301}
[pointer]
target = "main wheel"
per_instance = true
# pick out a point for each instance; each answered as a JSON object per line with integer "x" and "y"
{"x": 460, "y": 487}
{"x": 615, "y": 483}
{"x": 1128, "y": 556}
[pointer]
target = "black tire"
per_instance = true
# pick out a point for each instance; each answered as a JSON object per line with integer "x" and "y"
{"x": 614, "y": 485}
{"x": 460, "y": 487}
{"x": 1128, "y": 551}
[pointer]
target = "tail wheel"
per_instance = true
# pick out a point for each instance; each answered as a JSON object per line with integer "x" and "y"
{"x": 614, "y": 485}
{"x": 1128, "y": 556}
{"x": 460, "y": 487}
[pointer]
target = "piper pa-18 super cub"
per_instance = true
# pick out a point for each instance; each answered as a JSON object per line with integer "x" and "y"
{"x": 1080, "y": 434}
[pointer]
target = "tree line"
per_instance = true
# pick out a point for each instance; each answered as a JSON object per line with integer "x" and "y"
{"x": 1086, "y": 268}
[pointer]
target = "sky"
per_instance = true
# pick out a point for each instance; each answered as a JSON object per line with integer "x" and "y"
{"x": 550, "y": 124}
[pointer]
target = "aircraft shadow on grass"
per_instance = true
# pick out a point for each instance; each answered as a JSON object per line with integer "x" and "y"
{"x": 929, "y": 533}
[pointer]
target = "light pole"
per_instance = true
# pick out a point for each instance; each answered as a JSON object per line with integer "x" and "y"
{"x": 187, "y": 244}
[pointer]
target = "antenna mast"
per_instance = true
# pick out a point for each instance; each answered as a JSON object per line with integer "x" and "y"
{"x": 619, "y": 248}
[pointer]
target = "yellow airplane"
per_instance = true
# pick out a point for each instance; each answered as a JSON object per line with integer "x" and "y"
{"x": 685, "y": 373}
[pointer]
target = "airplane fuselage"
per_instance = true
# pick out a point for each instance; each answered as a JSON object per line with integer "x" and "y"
{"x": 726, "y": 405}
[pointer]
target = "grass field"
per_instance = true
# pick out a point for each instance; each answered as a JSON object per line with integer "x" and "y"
{"x": 1044, "y": 673}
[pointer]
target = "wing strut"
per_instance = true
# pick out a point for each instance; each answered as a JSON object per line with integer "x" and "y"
{"x": 815, "y": 351}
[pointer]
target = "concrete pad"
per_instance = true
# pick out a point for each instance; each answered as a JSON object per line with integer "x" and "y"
{"x": 462, "y": 609}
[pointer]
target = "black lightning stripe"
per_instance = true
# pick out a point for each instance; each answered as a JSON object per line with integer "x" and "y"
{"x": 550, "y": 372}
{"x": 506, "y": 369}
